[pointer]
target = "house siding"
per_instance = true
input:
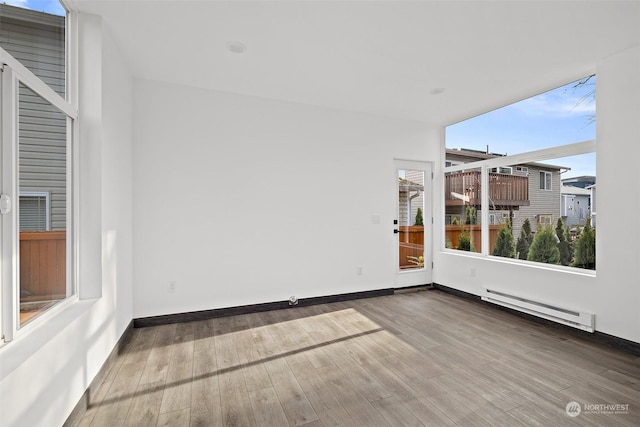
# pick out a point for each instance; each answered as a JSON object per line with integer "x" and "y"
{"x": 543, "y": 202}
{"x": 37, "y": 40}
{"x": 417, "y": 202}
{"x": 575, "y": 209}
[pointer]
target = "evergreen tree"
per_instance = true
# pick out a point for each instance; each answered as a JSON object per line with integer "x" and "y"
{"x": 464, "y": 242}
{"x": 544, "y": 247}
{"x": 585, "y": 251}
{"x": 471, "y": 216}
{"x": 564, "y": 246}
{"x": 504, "y": 244}
{"x": 419, "y": 220}
{"x": 524, "y": 240}
{"x": 569, "y": 239}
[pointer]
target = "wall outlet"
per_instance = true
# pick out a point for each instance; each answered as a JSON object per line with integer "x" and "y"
{"x": 171, "y": 288}
{"x": 359, "y": 270}
{"x": 473, "y": 272}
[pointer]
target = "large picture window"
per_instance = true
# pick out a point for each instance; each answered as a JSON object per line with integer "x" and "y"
{"x": 532, "y": 196}
{"x": 37, "y": 151}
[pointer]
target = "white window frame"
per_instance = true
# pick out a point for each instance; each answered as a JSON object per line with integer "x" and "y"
{"x": 505, "y": 170}
{"x": 544, "y": 217}
{"x": 544, "y": 181}
{"x": 47, "y": 197}
{"x": 13, "y": 73}
{"x": 546, "y": 154}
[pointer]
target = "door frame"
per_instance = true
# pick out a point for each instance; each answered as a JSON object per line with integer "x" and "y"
{"x": 421, "y": 276}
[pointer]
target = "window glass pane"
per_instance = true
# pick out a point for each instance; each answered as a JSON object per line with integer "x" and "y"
{"x": 35, "y": 211}
{"x": 566, "y": 206}
{"x": 33, "y": 32}
{"x": 42, "y": 180}
{"x": 411, "y": 219}
{"x": 558, "y": 117}
{"x": 541, "y": 211}
{"x": 462, "y": 210}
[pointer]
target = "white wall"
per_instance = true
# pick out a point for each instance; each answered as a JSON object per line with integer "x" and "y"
{"x": 244, "y": 200}
{"x": 44, "y": 374}
{"x": 613, "y": 294}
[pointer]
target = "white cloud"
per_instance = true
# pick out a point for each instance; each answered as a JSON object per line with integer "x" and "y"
{"x": 19, "y": 3}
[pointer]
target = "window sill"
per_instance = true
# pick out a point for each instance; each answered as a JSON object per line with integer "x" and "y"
{"x": 16, "y": 352}
{"x": 522, "y": 263}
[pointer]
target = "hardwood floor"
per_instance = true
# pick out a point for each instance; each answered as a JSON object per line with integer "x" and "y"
{"x": 416, "y": 359}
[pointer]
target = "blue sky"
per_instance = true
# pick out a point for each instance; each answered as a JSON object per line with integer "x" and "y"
{"x": 556, "y": 117}
{"x": 50, "y": 6}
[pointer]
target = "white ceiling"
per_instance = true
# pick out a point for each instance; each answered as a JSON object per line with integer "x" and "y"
{"x": 383, "y": 57}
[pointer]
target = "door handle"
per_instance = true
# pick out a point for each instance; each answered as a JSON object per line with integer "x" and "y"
{"x": 5, "y": 204}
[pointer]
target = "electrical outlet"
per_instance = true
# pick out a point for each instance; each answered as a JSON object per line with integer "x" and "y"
{"x": 473, "y": 272}
{"x": 359, "y": 270}
{"x": 172, "y": 287}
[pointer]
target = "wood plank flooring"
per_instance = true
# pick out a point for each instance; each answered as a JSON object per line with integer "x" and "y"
{"x": 415, "y": 359}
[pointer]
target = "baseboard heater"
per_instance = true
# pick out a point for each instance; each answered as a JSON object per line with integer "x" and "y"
{"x": 584, "y": 321}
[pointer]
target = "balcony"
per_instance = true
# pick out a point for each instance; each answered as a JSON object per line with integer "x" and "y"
{"x": 504, "y": 190}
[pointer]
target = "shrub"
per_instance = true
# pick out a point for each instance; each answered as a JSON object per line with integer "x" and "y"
{"x": 419, "y": 220}
{"x": 585, "y": 251}
{"x": 464, "y": 242}
{"x": 544, "y": 247}
{"x": 524, "y": 240}
{"x": 564, "y": 245}
{"x": 504, "y": 244}
{"x": 471, "y": 215}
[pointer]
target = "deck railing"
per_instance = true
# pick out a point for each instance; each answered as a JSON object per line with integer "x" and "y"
{"x": 504, "y": 189}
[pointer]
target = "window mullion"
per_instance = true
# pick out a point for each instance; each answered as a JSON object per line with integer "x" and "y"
{"x": 484, "y": 213}
{"x": 8, "y": 269}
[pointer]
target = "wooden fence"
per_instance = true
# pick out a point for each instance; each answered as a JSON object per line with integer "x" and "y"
{"x": 411, "y": 240}
{"x": 452, "y": 234}
{"x": 43, "y": 265}
{"x": 411, "y": 243}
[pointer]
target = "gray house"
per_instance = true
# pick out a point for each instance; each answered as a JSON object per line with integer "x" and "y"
{"x": 576, "y": 205}
{"x": 37, "y": 39}
{"x": 530, "y": 190}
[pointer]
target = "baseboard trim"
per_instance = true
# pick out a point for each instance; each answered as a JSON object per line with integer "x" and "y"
{"x": 411, "y": 289}
{"x": 144, "y": 322}
{"x": 597, "y": 337}
{"x": 83, "y": 404}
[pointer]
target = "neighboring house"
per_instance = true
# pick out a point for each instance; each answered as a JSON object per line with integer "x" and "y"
{"x": 583, "y": 181}
{"x": 578, "y": 200}
{"x": 411, "y": 196}
{"x": 592, "y": 188}
{"x": 518, "y": 192}
{"x": 575, "y": 205}
{"x": 37, "y": 40}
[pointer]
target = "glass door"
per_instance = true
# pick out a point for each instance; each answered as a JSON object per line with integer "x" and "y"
{"x": 412, "y": 224}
